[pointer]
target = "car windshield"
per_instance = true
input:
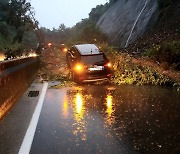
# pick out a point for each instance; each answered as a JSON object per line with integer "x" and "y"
{"x": 91, "y": 59}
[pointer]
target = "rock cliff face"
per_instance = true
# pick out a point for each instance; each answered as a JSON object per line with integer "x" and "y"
{"x": 126, "y": 20}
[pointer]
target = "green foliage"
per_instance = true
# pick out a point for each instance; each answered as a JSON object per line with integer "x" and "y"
{"x": 57, "y": 36}
{"x": 3, "y": 43}
{"x": 125, "y": 72}
{"x": 30, "y": 40}
{"x": 128, "y": 73}
{"x": 98, "y": 11}
{"x": 17, "y": 13}
{"x": 15, "y": 22}
{"x": 90, "y": 33}
{"x": 6, "y": 36}
{"x": 7, "y": 32}
{"x": 85, "y": 31}
{"x": 165, "y": 52}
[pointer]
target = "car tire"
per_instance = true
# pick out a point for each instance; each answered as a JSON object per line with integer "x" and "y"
{"x": 72, "y": 76}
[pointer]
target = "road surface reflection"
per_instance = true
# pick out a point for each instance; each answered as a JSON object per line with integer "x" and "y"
{"x": 108, "y": 119}
{"x": 110, "y": 110}
{"x": 135, "y": 113}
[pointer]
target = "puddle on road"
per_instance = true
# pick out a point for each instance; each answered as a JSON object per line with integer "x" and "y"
{"x": 144, "y": 116}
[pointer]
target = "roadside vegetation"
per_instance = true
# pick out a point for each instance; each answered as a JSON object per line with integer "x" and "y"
{"x": 16, "y": 27}
{"x": 167, "y": 53}
{"x": 139, "y": 70}
{"x": 53, "y": 65}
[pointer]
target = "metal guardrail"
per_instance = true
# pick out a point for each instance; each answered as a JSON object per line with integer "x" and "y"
{"x": 15, "y": 77}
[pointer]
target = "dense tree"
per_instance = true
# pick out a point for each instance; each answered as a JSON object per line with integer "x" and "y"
{"x": 16, "y": 21}
{"x": 62, "y": 28}
{"x": 92, "y": 34}
{"x": 96, "y": 12}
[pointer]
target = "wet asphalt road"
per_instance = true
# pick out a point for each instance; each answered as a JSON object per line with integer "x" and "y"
{"x": 97, "y": 119}
{"x": 108, "y": 119}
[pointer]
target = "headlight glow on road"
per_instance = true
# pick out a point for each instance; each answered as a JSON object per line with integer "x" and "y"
{"x": 65, "y": 107}
{"x": 110, "y": 118}
{"x": 78, "y": 107}
{"x": 109, "y": 104}
{"x": 79, "y": 103}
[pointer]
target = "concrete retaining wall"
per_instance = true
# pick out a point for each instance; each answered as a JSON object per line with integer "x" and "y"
{"x": 15, "y": 77}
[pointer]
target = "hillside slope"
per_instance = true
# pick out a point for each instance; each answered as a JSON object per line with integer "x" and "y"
{"x": 127, "y": 20}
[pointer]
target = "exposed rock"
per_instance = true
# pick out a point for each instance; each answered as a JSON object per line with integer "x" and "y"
{"x": 126, "y": 16}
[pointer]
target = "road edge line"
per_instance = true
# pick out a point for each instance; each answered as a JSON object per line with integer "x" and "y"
{"x": 29, "y": 136}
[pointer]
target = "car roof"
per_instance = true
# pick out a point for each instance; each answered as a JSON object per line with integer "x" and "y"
{"x": 88, "y": 49}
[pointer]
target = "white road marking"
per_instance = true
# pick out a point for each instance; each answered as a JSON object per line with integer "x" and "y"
{"x": 28, "y": 138}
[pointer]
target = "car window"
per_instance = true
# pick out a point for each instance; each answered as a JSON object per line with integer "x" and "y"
{"x": 91, "y": 59}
